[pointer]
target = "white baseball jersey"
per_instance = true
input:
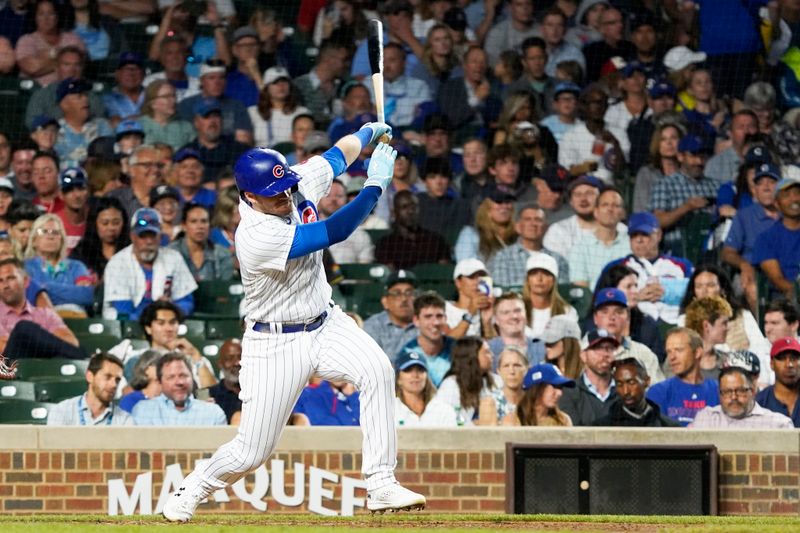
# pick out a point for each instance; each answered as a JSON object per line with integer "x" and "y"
{"x": 276, "y": 288}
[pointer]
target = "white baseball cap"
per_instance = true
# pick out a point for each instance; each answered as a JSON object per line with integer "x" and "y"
{"x": 207, "y": 68}
{"x": 5, "y": 183}
{"x": 560, "y": 327}
{"x": 274, "y": 74}
{"x": 542, "y": 261}
{"x": 468, "y": 267}
{"x": 681, "y": 57}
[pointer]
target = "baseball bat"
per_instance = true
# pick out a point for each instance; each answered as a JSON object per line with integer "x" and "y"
{"x": 375, "y": 51}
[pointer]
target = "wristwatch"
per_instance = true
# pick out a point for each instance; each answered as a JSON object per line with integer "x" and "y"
{"x": 468, "y": 318}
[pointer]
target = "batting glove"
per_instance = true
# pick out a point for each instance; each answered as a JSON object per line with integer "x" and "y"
{"x": 378, "y": 129}
{"x": 381, "y": 167}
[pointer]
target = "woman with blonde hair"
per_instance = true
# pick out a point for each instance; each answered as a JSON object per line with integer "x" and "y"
{"x": 278, "y": 105}
{"x": 493, "y": 231}
{"x": 469, "y": 379}
{"x": 543, "y": 386}
{"x": 710, "y": 317}
{"x": 68, "y": 282}
{"x": 540, "y": 293}
{"x": 159, "y": 118}
{"x": 415, "y": 402}
{"x": 517, "y": 107}
{"x": 562, "y": 341}
{"x": 226, "y": 218}
{"x": 499, "y": 407}
{"x": 663, "y": 162}
{"x": 439, "y": 61}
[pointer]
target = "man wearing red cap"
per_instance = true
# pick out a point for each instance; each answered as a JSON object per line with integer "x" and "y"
{"x": 783, "y": 396}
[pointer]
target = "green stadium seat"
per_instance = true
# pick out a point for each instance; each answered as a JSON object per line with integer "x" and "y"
{"x": 24, "y": 412}
{"x": 365, "y": 299}
{"x": 137, "y": 37}
{"x": 94, "y": 326}
{"x": 223, "y": 329}
{"x": 578, "y": 297}
{"x": 57, "y": 390}
{"x": 376, "y": 234}
{"x": 131, "y": 330}
{"x": 92, "y": 343}
{"x": 140, "y": 344}
{"x": 218, "y": 299}
{"x": 17, "y": 390}
{"x": 695, "y": 235}
{"x": 664, "y": 327}
{"x": 285, "y": 148}
{"x": 445, "y": 289}
{"x": 28, "y": 369}
{"x": 364, "y": 272}
{"x": 434, "y": 272}
{"x": 14, "y": 94}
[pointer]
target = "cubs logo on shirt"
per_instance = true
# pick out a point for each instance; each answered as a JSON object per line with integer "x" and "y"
{"x": 308, "y": 211}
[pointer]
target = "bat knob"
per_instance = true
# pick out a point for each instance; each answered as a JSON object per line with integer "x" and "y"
{"x": 384, "y": 139}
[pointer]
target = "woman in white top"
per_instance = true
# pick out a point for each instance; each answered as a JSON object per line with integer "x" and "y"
{"x": 415, "y": 403}
{"x": 277, "y": 106}
{"x": 540, "y": 292}
{"x": 469, "y": 379}
{"x": 499, "y": 407}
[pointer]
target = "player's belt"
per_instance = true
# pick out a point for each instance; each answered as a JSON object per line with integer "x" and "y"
{"x": 285, "y": 327}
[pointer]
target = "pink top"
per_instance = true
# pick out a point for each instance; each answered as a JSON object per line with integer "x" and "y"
{"x": 32, "y": 44}
{"x": 42, "y": 316}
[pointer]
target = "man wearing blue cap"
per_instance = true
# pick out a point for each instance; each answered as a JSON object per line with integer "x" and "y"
{"x": 144, "y": 272}
{"x": 44, "y": 132}
{"x": 129, "y": 135}
{"x": 77, "y": 128}
{"x": 662, "y": 278}
{"x": 126, "y": 99}
{"x": 75, "y": 193}
{"x": 748, "y": 224}
{"x": 685, "y": 192}
{"x": 777, "y": 249}
{"x": 565, "y": 110}
{"x": 189, "y": 179}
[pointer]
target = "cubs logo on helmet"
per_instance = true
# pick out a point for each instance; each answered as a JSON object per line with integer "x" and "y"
{"x": 308, "y": 212}
{"x": 277, "y": 171}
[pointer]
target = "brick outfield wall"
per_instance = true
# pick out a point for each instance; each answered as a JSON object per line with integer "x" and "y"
{"x": 77, "y": 481}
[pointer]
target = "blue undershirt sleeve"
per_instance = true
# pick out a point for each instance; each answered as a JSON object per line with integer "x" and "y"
{"x": 309, "y": 238}
{"x": 336, "y": 160}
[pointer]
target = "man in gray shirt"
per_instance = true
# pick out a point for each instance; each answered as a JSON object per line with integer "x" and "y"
{"x": 394, "y": 327}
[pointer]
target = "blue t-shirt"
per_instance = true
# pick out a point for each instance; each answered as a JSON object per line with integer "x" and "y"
{"x": 325, "y": 406}
{"x": 204, "y": 196}
{"x": 766, "y": 399}
{"x": 438, "y": 364}
{"x": 729, "y": 26}
{"x": 127, "y": 402}
{"x": 780, "y": 243}
{"x": 242, "y": 88}
{"x": 746, "y": 228}
{"x": 681, "y": 401}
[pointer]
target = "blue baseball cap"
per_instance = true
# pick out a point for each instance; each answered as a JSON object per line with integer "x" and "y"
{"x": 757, "y": 155}
{"x": 662, "y": 88}
{"x": 72, "y": 177}
{"x": 768, "y": 170}
{"x": 130, "y": 58}
{"x": 596, "y": 336}
{"x": 631, "y": 67}
{"x": 408, "y": 359}
{"x": 585, "y": 179}
{"x": 186, "y": 153}
{"x": 566, "y": 87}
{"x": 546, "y": 373}
{"x": 643, "y": 222}
{"x": 610, "y": 295}
{"x": 206, "y": 106}
{"x": 784, "y": 184}
{"x": 71, "y": 86}
{"x": 146, "y": 219}
{"x": 128, "y": 126}
{"x": 42, "y": 121}
{"x": 693, "y": 144}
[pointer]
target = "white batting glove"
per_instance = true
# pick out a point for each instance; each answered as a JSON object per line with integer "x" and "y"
{"x": 381, "y": 167}
{"x": 378, "y": 129}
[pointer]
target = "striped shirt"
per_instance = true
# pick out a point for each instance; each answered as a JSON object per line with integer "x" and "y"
{"x": 161, "y": 411}
{"x": 715, "y": 418}
{"x": 75, "y": 412}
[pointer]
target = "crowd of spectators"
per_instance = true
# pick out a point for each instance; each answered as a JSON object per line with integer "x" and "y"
{"x": 641, "y": 154}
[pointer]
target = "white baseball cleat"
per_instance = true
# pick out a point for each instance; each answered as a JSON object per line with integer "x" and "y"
{"x": 182, "y": 503}
{"x": 394, "y": 497}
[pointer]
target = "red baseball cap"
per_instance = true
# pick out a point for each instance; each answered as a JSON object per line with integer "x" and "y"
{"x": 786, "y": 344}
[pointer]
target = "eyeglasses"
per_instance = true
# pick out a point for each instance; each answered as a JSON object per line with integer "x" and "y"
{"x": 729, "y": 393}
{"x": 402, "y": 294}
{"x": 149, "y": 164}
{"x": 48, "y": 231}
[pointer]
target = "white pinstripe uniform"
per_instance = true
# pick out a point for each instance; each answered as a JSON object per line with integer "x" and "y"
{"x": 276, "y": 366}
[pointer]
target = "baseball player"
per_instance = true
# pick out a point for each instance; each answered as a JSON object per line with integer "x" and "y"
{"x": 293, "y": 328}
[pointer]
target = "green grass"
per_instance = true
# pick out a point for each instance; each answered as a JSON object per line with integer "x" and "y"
{"x": 421, "y": 523}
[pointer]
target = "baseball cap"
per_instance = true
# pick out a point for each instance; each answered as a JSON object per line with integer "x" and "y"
{"x": 400, "y": 276}
{"x": 585, "y": 179}
{"x": 680, "y": 57}
{"x": 212, "y": 66}
{"x": 72, "y": 177}
{"x": 244, "y": 31}
{"x": 614, "y": 64}
{"x": 161, "y": 192}
{"x": 566, "y": 87}
{"x": 206, "y": 106}
{"x": 643, "y": 222}
{"x": 316, "y": 140}
{"x": 6, "y": 184}
{"x": 768, "y": 170}
{"x": 71, "y": 86}
{"x": 186, "y": 153}
{"x": 104, "y": 148}
{"x": 555, "y": 176}
{"x": 455, "y": 18}
{"x": 403, "y": 148}
{"x": 786, "y": 344}
{"x": 786, "y": 183}
{"x": 596, "y": 336}
{"x": 661, "y": 88}
{"x": 499, "y": 196}
{"x": 542, "y": 261}
{"x": 394, "y": 7}
{"x": 468, "y": 267}
{"x": 631, "y": 67}
{"x": 693, "y": 144}
{"x": 273, "y": 74}
{"x": 146, "y": 219}
{"x": 408, "y": 359}
{"x": 355, "y": 185}
{"x": 546, "y": 373}
{"x": 743, "y": 360}
{"x": 757, "y": 155}
{"x": 436, "y": 166}
{"x": 524, "y": 125}
{"x": 559, "y": 327}
{"x": 610, "y": 295}
{"x": 128, "y": 126}
{"x": 436, "y": 121}
{"x": 42, "y": 121}
{"x": 643, "y": 18}
{"x": 130, "y": 58}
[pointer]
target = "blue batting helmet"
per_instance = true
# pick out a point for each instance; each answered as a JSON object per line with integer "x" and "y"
{"x": 264, "y": 171}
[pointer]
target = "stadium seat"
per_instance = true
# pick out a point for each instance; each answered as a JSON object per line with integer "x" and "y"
{"x": 364, "y": 272}
{"x": 28, "y": 369}
{"x": 695, "y": 236}
{"x": 24, "y": 412}
{"x": 18, "y": 390}
{"x": 15, "y": 93}
{"x": 445, "y": 289}
{"x": 285, "y": 148}
{"x": 61, "y": 389}
{"x": 223, "y": 329}
{"x": 194, "y": 330}
{"x": 131, "y": 330}
{"x": 434, "y": 272}
{"x": 376, "y": 234}
{"x": 218, "y": 299}
{"x": 94, "y": 326}
{"x": 365, "y": 299}
{"x": 92, "y": 343}
{"x": 578, "y": 297}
